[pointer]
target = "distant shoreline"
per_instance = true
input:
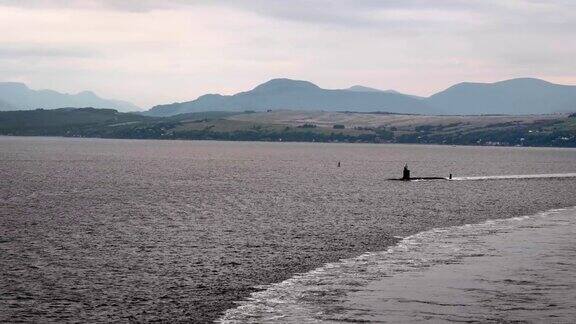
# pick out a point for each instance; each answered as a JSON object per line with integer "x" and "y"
{"x": 286, "y": 142}
{"x": 298, "y": 126}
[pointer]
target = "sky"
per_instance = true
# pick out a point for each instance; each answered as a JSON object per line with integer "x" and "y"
{"x": 153, "y": 52}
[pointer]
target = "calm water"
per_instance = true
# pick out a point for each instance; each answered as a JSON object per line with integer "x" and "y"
{"x": 118, "y": 230}
{"x": 501, "y": 271}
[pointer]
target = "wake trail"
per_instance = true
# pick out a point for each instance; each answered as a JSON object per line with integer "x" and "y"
{"x": 519, "y": 176}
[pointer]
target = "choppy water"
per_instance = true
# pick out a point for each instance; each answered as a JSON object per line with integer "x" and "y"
{"x": 514, "y": 270}
{"x": 117, "y": 230}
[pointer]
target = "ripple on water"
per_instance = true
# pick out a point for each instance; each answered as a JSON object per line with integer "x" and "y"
{"x": 518, "y": 269}
{"x": 96, "y": 230}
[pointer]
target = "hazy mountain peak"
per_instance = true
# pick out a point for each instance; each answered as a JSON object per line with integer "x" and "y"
{"x": 359, "y": 88}
{"x": 284, "y": 84}
{"x": 514, "y": 96}
{"x": 14, "y": 85}
{"x": 525, "y": 81}
{"x": 298, "y": 95}
{"x": 87, "y": 93}
{"x": 509, "y": 82}
{"x": 15, "y": 95}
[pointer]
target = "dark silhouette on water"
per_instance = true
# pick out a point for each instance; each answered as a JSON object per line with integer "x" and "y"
{"x": 406, "y": 172}
{"x": 406, "y": 176}
{"x": 450, "y": 177}
{"x": 338, "y": 163}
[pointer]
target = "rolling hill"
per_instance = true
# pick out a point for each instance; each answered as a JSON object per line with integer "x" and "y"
{"x": 297, "y": 126}
{"x": 17, "y": 96}
{"x": 299, "y": 95}
{"x": 515, "y": 97}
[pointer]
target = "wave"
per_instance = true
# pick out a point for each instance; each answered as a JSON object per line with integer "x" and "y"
{"x": 520, "y": 176}
{"x": 324, "y": 294}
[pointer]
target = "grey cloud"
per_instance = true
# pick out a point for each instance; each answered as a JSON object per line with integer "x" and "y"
{"x": 551, "y": 13}
{"x": 19, "y": 51}
{"x": 323, "y": 5}
{"x": 449, "y": 39}
{"x": 121, "y": 5}
{"x": 283, "y": 8}
{"x": 352, "y": 13}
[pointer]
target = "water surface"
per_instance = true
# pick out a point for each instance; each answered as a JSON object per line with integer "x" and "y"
{"x": 499, "y": 271}
{"x": 113, "y": 230}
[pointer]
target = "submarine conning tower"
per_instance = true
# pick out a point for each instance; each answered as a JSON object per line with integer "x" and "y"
{"x": 406, "y": 173}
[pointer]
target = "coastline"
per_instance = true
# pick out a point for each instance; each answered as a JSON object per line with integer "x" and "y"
{"x": 208, "y": 140}
{"x": 298, "y": 126}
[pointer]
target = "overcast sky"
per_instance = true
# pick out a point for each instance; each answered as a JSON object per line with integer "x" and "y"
{"x": 161, "y": 51}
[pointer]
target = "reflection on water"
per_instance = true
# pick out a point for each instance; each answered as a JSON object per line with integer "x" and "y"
{"x": 519, "y": 269}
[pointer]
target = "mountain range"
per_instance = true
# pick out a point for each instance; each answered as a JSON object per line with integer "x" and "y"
{"x": 17, "y": 96}
{"x": 514, "y": 97}
{"x": 510, "y": 97}
{"x": 301, "y": 95}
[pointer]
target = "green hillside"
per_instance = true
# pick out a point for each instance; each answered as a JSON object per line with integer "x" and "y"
{"x": 532, "y": 130}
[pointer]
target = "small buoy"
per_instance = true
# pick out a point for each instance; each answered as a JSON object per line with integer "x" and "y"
{"x": 338, "y": 163}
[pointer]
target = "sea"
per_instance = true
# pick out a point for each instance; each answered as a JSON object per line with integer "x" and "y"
{"x": 102, "y": 230}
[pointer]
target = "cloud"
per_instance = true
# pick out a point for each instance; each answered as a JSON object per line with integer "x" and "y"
{"x": 8, "y": 51}
{"x": 316, "y": 11}
{"x": 120, "y": 5}
{"x": 153, "y": 52}
{"x": 543, "y": 15}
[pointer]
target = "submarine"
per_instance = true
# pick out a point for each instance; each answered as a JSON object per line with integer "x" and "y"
{"x": 406, "y": 176}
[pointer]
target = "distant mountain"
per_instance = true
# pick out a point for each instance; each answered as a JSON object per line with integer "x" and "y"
{"x": 17, "y": 96}
{"x": 299, "y": 95}
{"x": 5, "y": 106}
{"x": 359, "y": 88}
{"x": 515, "y": 97}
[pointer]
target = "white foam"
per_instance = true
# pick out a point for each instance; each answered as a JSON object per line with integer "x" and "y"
{"x": 303, "y": 297}
{"x": 519, "y": 176}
